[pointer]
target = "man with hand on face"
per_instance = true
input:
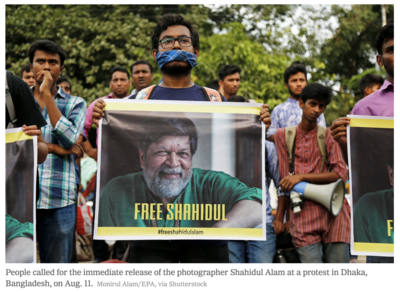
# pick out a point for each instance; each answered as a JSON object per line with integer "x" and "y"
{"x": 142, "y": 76}
{"x": 64, "y": 114}
{"x": 229, "y": 80}
{"x": 289, "y": 113}
{"x": 176, "y": 46}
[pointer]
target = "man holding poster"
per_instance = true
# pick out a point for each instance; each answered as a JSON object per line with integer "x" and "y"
{"x": 380, "y": 103}
{"x": 170, "y": 192}
{"x": 175, "y": 47}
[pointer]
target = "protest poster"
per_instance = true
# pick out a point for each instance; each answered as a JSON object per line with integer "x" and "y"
{"x": 21, "y": 152}
{"x": 370, "y": 148}
{"x": 180, "y": 170}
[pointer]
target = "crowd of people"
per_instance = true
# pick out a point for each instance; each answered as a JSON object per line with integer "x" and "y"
{"x": 45, "y": 106}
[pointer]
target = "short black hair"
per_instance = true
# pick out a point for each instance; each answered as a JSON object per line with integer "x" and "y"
{"x": 118, "y": 69}
{"x": 170, "y": 20}
{"x": 213, "y": 84}
{"x": 26, "y": 68}
{"x": 385, "y": 34}
{"x": 62, "y": 79}
{"x": 228, "y": 70}
{"x": 293, "y": 69}
{"x": 369, "y": 80}
{"x": 47, "y": 46}
{"x": 154, "y": 128}
{"x": 237, "y": 98}
{"x": 140, "y": 62}
{"x": 316, "y": 91}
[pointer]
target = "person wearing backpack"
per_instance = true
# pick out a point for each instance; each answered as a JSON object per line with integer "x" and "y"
{"x": 315, "y": 232}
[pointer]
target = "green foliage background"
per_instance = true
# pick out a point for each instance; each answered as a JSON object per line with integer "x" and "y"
{"x": 262, "y": 39}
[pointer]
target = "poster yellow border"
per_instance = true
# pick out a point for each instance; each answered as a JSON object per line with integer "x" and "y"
{"x": 374, "y": 247}
{"x": 17, "y": 136}
{"x": 129, "y": 106}
{"x": 160, "y": 232}
{"x": 372, "y": 123}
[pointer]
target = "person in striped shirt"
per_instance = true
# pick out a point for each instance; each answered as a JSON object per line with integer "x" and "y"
{"x": 316, "y": 234}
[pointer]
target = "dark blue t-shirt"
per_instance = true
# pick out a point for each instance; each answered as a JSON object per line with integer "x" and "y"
{"x": 194, "y": 93}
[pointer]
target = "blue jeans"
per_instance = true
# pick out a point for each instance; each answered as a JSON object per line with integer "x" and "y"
{"x": 334, "y": 252}
{"x": 256, "y": 251}
{"x": 55, "y": 230}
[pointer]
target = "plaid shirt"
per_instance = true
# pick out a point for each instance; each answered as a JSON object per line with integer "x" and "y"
{"x": 57, "y": 177}
{"x": 314, "y": 223}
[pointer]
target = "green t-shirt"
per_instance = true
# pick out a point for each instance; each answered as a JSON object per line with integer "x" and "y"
{"x": 373, "y": 218}
{"x": 204, "y": 200}
{"x": 16, "y": 229}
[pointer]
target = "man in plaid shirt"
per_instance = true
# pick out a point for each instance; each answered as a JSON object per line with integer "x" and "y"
{"x": 64, "y": 114}
{"x": 315, "y": 231}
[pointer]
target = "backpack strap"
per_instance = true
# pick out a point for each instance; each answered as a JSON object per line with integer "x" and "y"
{"x": 146, "y": 93}
{"x": 212, "y": 94}
{"x": 321, "y": 137}
{"x": 10, "y": 103}
{"x": 290, "y": 139}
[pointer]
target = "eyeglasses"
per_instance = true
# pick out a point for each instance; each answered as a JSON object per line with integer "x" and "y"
{"x": 183, "y": 41}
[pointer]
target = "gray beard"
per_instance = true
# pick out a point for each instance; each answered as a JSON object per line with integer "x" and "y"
{"x": 164, "y": 187}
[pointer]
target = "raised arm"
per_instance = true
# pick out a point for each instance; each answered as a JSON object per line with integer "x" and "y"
{"x": 339, "y": 134}
{"x": 98, "y": 111}
{"x": 265, "y": 117}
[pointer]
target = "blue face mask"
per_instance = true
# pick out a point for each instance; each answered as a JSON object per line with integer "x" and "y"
{"x": 175, "y": 55}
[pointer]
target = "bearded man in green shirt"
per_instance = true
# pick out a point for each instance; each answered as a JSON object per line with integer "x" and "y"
{"x": 170, "y": 193}
{"x": 19, "y": 241}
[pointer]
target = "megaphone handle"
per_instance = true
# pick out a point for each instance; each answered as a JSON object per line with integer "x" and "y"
{"x": 296, "y": 209}
{"x": 296, "y": 206}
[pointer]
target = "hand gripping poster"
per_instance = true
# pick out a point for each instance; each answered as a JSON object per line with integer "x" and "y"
{"x": 180, "y": 170}
{"x": 20, "y": 196}
{"x": 370, "y": 148}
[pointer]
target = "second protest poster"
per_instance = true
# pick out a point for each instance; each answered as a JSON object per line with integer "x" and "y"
{"x": 176, "y": 170}
{"x": 371, "y": 144}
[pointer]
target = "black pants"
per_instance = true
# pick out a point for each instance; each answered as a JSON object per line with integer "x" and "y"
{"x": 176, "y": 251}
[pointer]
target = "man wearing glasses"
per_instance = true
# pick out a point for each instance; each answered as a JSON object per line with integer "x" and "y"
{"x": 175, "y": 47}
